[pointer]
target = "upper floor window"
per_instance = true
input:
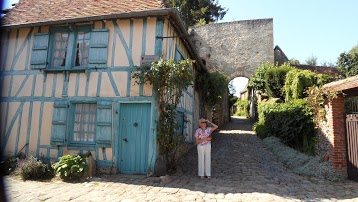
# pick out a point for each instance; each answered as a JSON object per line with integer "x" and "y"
{"x": 70, "y": 48}
{"x": 82, "y": 48}
{"x": 60, "y": 49}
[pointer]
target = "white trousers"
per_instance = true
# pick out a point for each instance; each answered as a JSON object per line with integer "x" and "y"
{"x": 204, "y": 159}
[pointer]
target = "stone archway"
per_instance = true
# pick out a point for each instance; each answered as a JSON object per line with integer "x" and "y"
{"x": 235, "y": 48}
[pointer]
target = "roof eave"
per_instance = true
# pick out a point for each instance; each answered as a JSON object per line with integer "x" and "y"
{"x": 135, "y": 14}
{"x": 347, "y": 84}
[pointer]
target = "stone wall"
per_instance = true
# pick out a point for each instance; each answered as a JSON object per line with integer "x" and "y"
{"x": 236, "y": 48}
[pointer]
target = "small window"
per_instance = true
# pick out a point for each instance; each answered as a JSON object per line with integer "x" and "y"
{"x": 84, "y": 126}
{"x": 82, "y": 49}
{"x": 60, "y": 49}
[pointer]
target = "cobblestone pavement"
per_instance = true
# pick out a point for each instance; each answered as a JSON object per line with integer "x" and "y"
{"x": 242, "y": 170}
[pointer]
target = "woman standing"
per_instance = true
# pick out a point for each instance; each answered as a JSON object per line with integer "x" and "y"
{"x": 203, "y": 141}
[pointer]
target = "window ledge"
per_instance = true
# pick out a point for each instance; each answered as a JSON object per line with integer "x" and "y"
{"x": 65, "y": 70}
{"x": 82, "y": 147}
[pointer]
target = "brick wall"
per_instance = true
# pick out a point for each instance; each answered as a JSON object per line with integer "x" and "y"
{"x": 336, "y": 136}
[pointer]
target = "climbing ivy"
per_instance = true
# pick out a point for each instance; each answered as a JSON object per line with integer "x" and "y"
{"x": 211, "y": 87}
{"x": 316, "y": 98}
{"x": 297, "y": 81}
{"x": 170, "y": 79}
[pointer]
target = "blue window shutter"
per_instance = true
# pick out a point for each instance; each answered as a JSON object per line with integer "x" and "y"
{"x": 98, "y": 48}
{"x": 39, "y": 51}
{"x": 177, "y": 56}
{"x": 59, "y": 123}
{"x": 180, "y": 122}
{"x": 104, "y": 124}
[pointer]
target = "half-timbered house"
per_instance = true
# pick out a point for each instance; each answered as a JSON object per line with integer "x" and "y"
{"x": 66, "y": 76}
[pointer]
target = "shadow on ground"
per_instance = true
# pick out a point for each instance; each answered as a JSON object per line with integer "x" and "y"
{"x": 242, "y": 164}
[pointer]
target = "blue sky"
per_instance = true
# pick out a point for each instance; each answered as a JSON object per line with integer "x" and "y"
{"x": 304, "y": 28}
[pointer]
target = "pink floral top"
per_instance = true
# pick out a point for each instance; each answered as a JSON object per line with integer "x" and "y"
{"x": 200, "y": 134}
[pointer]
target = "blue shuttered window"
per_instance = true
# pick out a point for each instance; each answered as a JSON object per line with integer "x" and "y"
{"x": 39, "y": 51}
{"x": 75, "y": 48}
{"x": 59, "y": 123}
{"x": 98, "y": 48}
{"x": 83, "y": 118}
{"x": 104, "y": 124}
{"x": 83, "y": 124}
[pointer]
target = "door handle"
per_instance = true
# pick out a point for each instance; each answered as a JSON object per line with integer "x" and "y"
{"x": 125, "y": 140}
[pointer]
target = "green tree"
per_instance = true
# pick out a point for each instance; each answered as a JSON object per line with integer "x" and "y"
{"x": 348, "y": 62}
{"x": 211, "y": 87}
{"x": 198, "y": 11}
{"x": 294, "y": 61}
{"x": 275, "y": 81}
{"x": 169, "y": 79}
{"x": 257, "y": 80}
{"x": 312, "y": 60}
{"x": 232, "y": 89}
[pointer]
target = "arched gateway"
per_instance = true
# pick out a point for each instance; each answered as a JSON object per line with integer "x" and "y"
{"x": 235, "y": 48}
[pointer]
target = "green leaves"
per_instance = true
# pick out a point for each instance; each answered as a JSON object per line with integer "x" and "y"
{"x": 275, "y": 81}
{"x": 211, "y": 86}
{"x": 292, "y": 122}
{"x": 257, "y": 80}
{"x": 170, "y": 79}
{"x": 193, "y": 12}
{"x": 298, "y": 81}
{"x": 71, "y": 167}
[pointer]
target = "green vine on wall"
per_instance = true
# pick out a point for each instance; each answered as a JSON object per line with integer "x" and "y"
{"x": 211, "y": 87}
{"x": 316, "y": 99}
{"x": 170, "y": 79}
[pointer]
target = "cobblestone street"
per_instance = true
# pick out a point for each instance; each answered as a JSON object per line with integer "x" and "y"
{"x": 242, "y": 170}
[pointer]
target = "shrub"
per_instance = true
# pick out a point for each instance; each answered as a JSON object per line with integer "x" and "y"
{"x": 275, "y": 81}
{"x": 71, "y": 167}
{"x": 34, "y": 169}
{"x": 242, "y": 106}
{"x": 292, "y": 122}
{"x": 297, "y": 81}
{"x": 260, "y": 130}
{"x": 257, "y": 81}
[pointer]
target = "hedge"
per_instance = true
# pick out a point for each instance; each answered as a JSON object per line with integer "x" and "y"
{"x": 292, "y": 122}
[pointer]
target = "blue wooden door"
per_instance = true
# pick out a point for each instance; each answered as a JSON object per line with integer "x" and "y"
{"x": 134, "y": 128}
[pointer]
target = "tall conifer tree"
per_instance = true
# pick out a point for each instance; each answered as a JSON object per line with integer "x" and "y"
{"x": 198, "y": 11}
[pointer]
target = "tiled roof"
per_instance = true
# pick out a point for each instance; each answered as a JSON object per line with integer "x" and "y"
{"x": 36, "y": 11}
{"x": 350, "y": 83}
